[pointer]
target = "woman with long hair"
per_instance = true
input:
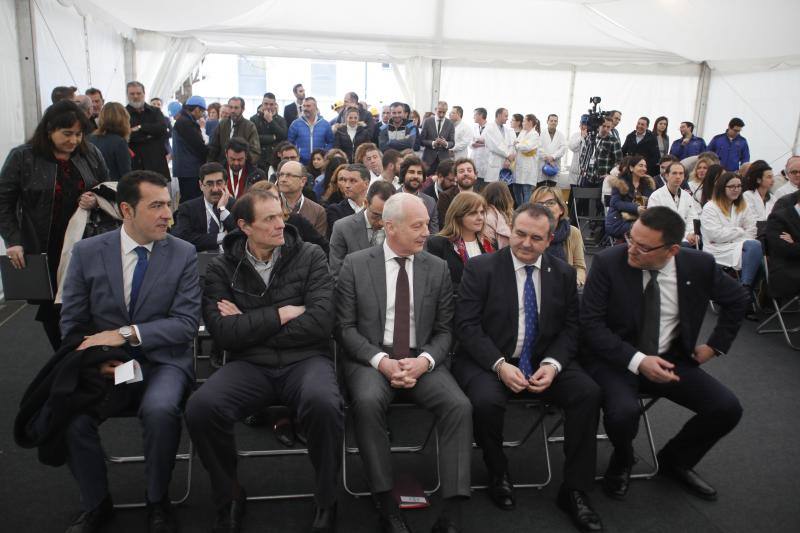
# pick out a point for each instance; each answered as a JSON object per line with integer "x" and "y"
{"x": 317, "y": 166}
{"x": 757, "y": 185}
{"x": 662, "y": 139}
{"x": 567, "y": 243}
{"x": 42, "y": 184}
{"x": 499, "y": 211}
{"x": 629, "y": 193}
{"x": 111, "y": 138}
{"x": 333, "y": 194}
{"x": 463, "y": 234}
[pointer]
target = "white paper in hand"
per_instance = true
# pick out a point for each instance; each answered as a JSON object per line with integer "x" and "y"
{"x": 130, "y": 372}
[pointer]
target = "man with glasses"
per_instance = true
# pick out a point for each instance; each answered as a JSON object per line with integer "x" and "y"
{"x": 642, "y": 309}
{"x": 793, "y": 176}
{"x": 268, "y": 302}
{"x": 205, "y": 221}
{"x": 292, "y": 178}
{"x": 360, "y": 230}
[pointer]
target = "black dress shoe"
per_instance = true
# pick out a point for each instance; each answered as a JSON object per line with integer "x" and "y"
{"x": 502, "y": 492}
{"x": 92, "y": 521}
{"x": 284, "y": 432}
{"x": 617, "y": 479}
{"x": 324, "y": 520}
{"x": 393, "y": 523}
{"x": 689, "y": 479}
{"x": 576, "y": 504}
{"x": 159, "y": 517}
{"x": 230, "y": 515}
{"x": 445, "y": 525}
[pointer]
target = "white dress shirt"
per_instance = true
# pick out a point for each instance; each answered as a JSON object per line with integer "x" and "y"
{"x": 392, "y": 270}
{"x": 223, "y": 214}
{"x": 786, "y": 188}
{"x": 129, "y": 260}
{"x": 670, "y": 319}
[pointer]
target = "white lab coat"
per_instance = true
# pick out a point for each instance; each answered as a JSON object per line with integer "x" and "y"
{"x": 724, "y": 235}
{"x": 464, "y": 135}
{"x": 575, "y": 144}
{"x": 759, "y": 209}
{"x": 527, "y": 168}
{"x": 555, "y": 147}
{"x": 499, "y": 145}
{"x": 479, "y": 155}
{"x": 663, "y": 198}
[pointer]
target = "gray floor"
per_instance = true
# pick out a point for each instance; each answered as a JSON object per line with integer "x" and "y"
{"x": 755, "y": 469}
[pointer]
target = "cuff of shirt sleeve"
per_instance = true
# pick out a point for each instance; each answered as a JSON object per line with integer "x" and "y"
{"x": 636, "y": 360}
{"x": 223, "y": 214}
{"x": 376, "y": 359}
{"x": 497, "y": 363}
{"x": 427, "y": 356}
{"x": 553, "y": 362}
{"x": 138, "y": 336}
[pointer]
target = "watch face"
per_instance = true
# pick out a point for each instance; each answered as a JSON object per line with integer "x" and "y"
{"x": 125, "y": 331}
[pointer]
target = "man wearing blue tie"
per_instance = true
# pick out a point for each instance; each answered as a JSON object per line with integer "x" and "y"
{"x": 137, "y": 286}
{"x": 526, "y": 344}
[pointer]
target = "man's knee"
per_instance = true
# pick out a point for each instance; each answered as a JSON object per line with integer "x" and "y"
{"x": 80, "y": 427}
{"x": 199, "y": 409}
{"x": 622, "y": 413}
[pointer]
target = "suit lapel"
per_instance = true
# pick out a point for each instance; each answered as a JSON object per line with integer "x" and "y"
{"x": 419, "y": 286}
{"x": 360, "y": 232}
{"x": 506, "y": 279}
{"x": 547, "y": 289}
{"x": 112, "y": 259}
{"x": 377, "y": 271}
{"x": 158, "y": 261}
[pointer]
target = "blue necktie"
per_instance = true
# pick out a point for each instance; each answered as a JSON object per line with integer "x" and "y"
{"x": 138, "y": 277}
{"x": 531, "y": 323}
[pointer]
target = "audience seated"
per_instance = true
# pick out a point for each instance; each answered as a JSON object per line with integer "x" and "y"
{"x": 629, "y": 193}
{"x": 567, "y": 243}
{"x": 292, "y": 179}
{"x": 679, "y": 200}
{"x": 499, "y": 210}
{"x": 757, "y": 185}
{"x": 205, "y": 221}
{"x": 353, "y": 180}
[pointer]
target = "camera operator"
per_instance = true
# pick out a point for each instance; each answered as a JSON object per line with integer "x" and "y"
{"x": 599, "y": 157}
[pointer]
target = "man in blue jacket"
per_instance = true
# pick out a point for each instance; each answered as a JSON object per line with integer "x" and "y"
{"x": 731, "y": 147}
{"x": 189, "y": 150}
{"x": 689, "y": 144}
{"x": 400, "y": 133}
{"x": 310, "y": 131}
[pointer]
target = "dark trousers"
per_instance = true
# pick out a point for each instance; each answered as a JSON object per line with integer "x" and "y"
{"x": 716, "y": 408}
{"x": 190, "y": 188}
{"x": 49, "y": 314}
{"x": 435, "y": 391}
{"x": 240, "y": 388}
{"x": 159, "y": 398}
{"x": 572, "y": 390}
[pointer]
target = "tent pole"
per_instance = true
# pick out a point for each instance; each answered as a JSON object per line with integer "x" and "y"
{"x": 701, "y": 98}
{"x": 796, "y": 146}
{"x": 573, "y": 71}
{"x": 29, "y": 73}
{"x": 86, "y": 51}
{"x": 436, "y": 64}
{"x": 129, "y": 55}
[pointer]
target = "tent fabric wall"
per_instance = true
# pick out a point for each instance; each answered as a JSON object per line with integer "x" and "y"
{"x": 163, "y": 62}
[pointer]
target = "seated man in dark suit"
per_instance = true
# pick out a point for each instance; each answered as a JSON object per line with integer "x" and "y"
{"x": 139, "y": 286}
{"x": 361, "y": 230}
{"x": 783, "y": 249}
{"x": 399, "y": 342}
{"x": 643, "y": 305}
{"x": 517, "y": 325}
{"x": 268, "y": 301}
{"x": 205, "y": 221}
{"x": 353, "y": 182}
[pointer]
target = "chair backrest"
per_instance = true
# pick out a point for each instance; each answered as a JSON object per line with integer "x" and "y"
{"x": 587, "y": 193}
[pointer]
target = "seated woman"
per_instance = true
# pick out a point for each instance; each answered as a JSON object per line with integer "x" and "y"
{"x": 499, "y": 210}
{"x": 567, "y": 243}
{"x": 729, "y": 230}
{"x": 462, "y": 236}
{"x": 629, "y": 193}
{"x": 757, "y": 183}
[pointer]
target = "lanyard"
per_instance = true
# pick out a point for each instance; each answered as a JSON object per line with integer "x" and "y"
{"x": 211, "y": 213}
{"x": 234, "y": 184}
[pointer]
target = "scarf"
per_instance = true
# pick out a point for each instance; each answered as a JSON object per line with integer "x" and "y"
{"x": 461, "y": 248}
{"x": 560, "y": 236}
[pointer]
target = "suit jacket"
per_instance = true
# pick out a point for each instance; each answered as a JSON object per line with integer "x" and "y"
{"x": 784, "y": 257}
{"x": 611, "y": 312}
{"x": 315, "y": 213}
{"x": 361, "y": 305}
{"x": 337, "y": 211}
{"x": 647, "y": 148}
{"x": 349, "y": 234}
{"x": 487, "y": 314}
{"x": 433, "y": 212}
{"x": 428, "y": 135}
{"x": 167, "y": 310}
{"x": 218, "y": 142}
{"x": 191, "y": 224}
{"x": 290, "y": 113}
{"x": 442, "y": 247}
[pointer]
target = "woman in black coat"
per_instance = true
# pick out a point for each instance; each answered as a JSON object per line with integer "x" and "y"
{"x": 42, "y": 183}
{"x": 350, "y": 135}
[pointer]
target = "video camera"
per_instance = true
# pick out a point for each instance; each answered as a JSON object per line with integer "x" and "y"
{"x": 596, "y": 117}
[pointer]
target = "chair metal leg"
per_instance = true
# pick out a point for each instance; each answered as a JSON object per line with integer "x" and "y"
{"x": 188, "y": 457}
{"x": 778, "y": 315}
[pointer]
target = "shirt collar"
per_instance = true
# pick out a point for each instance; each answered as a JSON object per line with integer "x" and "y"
{"x": 253, "y": 259}
{"x": 356, "y": 208}
{"x": 519, "y": 264}
{"x": 668, "y": 269}
{"x": 389, "y": 254}
{"x": 128, "y": 244}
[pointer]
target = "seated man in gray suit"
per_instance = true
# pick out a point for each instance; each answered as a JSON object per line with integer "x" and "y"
{"x": 361, "y": 230}
{"x": 400, "y": 343}
{"x": 138, "y": 287}
{"x": 412, "y": 175}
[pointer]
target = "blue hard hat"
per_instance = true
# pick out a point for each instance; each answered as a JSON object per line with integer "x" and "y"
{"x": 199, "y": 101}
{"x": 549, "y": 170}
{"x": 173, "y": 108}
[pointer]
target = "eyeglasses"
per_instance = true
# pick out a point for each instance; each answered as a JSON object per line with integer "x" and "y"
{"x": 795, "y": 172}
{"x": 288, "y": 175}
{"x": 642, "y": 249}
{"x": 548, "y": 203}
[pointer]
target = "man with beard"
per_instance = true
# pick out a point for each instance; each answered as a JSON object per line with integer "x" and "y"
{"x": 443, "y": 180}
{"x": 465, "y": 181}
{"x": 234, "y": 126}
{"x": 641, "y": 141}
{"x": 272, "y": 129}
{"x": 400, "y": 133}
{"x": 148, "y": 132}
{"x": 205, "y": 221}
{"x": 240, "y": 171}
{"x": 412, "y": 174}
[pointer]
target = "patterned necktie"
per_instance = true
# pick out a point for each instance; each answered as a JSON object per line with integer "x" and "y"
{"x": 377, "y": 237}
{"x": 402, "y": 313}
{"x": 138, "y": 277}
{"x": 531, "y": 323}
{"x": 213, "y": 227}
{"x": 651, "y": 316}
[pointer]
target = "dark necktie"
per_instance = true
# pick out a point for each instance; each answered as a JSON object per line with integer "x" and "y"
{"x": 438, "y": 127}
{"x": 651, "y": 316}
{"x": 531, "y": 323}
{"x": 138, "y": 277}
{"x": 213, "y": 227}
{"x": 402, "y": 313}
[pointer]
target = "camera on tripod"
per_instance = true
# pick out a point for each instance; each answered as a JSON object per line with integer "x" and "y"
{"x": 596, "y": 117}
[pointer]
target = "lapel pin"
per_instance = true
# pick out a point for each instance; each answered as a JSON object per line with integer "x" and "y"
{"x": 688, "y": 282}
{"x": 548, "y": 269}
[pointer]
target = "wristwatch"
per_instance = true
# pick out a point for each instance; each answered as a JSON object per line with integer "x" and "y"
{"x": 126, "y": 332}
